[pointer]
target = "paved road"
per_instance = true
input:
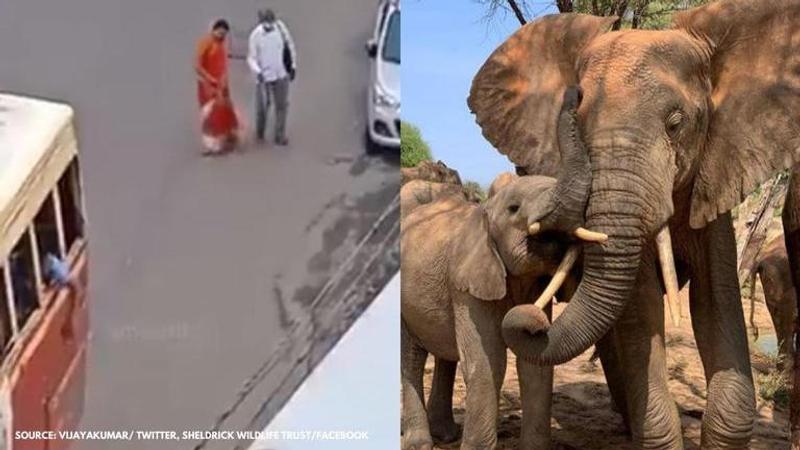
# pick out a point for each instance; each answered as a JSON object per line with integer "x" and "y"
{"x": 358, "y": 393}
{"x": 199, "y": 267}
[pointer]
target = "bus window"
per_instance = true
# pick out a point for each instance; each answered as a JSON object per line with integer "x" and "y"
{"x": 69, "y": 192}
{"x": 5, "y": 317}
{"x": 23, "y": 279}
{"x": 47, "y": 231}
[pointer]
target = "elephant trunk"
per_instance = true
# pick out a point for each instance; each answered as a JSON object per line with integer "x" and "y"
{"x": 609, "y": 276}
{"x": 568, "y": 198}
{"x": 617, "y": 209}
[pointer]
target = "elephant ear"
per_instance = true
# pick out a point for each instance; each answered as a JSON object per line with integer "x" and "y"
{"x": 516, "y": 95}
{"x": 475, "y": 265}
{"x": 754, "y": 70}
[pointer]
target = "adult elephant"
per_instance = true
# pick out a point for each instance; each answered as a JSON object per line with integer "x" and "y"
{"x": 437, "y": 172}
{"x": 791, "y": 234}
{"x": 421, "y": 192}
{"x": 680, "y": 125}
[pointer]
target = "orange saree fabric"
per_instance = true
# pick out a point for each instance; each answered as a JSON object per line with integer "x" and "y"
{"x": 218, "y": 114}
{"x": 213, "y": 58}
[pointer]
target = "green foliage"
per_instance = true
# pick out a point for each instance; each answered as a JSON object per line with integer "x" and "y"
{"x": 474, "y": 191}
{"x": 413, "y": 149}
{"x": 645, "y": 14}
{"x": 774, "y": 387}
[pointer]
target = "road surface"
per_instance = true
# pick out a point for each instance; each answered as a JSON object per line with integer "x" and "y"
{"x": 206, "y": 273}
{"x": 340, "y": 379}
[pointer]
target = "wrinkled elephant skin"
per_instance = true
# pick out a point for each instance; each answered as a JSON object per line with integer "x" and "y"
{"x": 680, "y": 125}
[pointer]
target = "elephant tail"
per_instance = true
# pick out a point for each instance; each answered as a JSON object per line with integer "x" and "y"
{"x": 752, "y": 283}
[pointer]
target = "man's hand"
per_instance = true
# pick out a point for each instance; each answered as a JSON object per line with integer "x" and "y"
{"x": 292, "y": 72}
{"x": 260, "y": 78}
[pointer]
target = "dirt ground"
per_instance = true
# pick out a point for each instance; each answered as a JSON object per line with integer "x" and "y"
{"x": 582, "y": 415}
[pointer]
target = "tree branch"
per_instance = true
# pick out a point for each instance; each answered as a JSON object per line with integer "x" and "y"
{"x": 565, "y": 6}
{"x": 517, "y": 12}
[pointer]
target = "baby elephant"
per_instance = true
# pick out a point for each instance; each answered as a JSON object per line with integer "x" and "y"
{"x": 779, "y": 295}
{"x": 464, "y": 266}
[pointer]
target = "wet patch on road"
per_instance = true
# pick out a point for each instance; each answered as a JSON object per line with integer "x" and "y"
{"x": 389, "y": 158}
{"x": 353, "y": 221}
{"x": 338, "y": 200}
{"x": 283, "y": 313}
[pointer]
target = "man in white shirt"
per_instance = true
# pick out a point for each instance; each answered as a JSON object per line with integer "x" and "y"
{"x": 272, "y": 59}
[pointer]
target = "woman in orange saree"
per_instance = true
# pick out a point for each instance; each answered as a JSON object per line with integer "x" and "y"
{"x": 219, "y": 123}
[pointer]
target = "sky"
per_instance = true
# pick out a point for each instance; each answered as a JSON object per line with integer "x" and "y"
{"x": 445, "y": 42}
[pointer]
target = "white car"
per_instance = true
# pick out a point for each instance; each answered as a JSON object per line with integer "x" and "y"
{"x": 383, "y": 98}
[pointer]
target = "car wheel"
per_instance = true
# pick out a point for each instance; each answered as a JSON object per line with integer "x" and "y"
{"x": 371, "y": 146}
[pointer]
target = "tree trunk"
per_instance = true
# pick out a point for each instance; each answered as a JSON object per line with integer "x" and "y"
{"x": 639, "y": 9}
{"x": 619, "y": 10}
{"x": 757, "y": 233}
{"x": 517, "y": 12}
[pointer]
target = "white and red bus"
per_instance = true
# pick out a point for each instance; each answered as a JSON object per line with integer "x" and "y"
{"x": 43, "y": 327}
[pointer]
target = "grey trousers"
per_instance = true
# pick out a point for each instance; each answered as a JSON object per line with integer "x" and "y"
{"x": 278, "y": 91}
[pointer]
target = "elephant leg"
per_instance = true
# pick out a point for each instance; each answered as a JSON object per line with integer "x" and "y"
{"x": 719, "y": 329}
{"x": 440, "y": 403}
{"x": 781, "y": 304}
{"x": 774, "y": 297}
{"x": 482, "y": 357}
{"x": 609, "y": 358}
{"x": 536, "y": 392}
{"x": 787, "y": 318}
{"x": 639, "y": 339}
{"x": 791, "y": 236}
{"x": 416, "y": 434}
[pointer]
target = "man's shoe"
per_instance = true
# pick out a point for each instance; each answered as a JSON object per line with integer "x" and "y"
{"x": 282, "y": 142}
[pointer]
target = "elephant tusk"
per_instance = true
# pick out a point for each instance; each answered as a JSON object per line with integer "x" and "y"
{"x": 664, "y": 246}
{"x": 559, "y": 277}
{"x": 534, "y": 228}
{"x": 590, "y": 236}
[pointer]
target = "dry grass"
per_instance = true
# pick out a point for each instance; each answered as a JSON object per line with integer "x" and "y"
{"x": 774, "y": 387}
{"x": 674, "y": 339}
{"x": 677, "y": 371}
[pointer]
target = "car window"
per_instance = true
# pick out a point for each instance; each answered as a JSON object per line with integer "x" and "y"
{"x": 391, "y": 43}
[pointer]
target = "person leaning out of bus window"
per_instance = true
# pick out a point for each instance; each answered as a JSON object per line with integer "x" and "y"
{"x": 56, "y": 276}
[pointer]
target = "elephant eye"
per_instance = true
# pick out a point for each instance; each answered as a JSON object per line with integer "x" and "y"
{"x": 513, "y": 209}
{"x": 674, "y": 121}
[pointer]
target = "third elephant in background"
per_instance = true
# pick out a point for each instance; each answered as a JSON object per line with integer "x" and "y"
{"x": 772, "y": 268}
